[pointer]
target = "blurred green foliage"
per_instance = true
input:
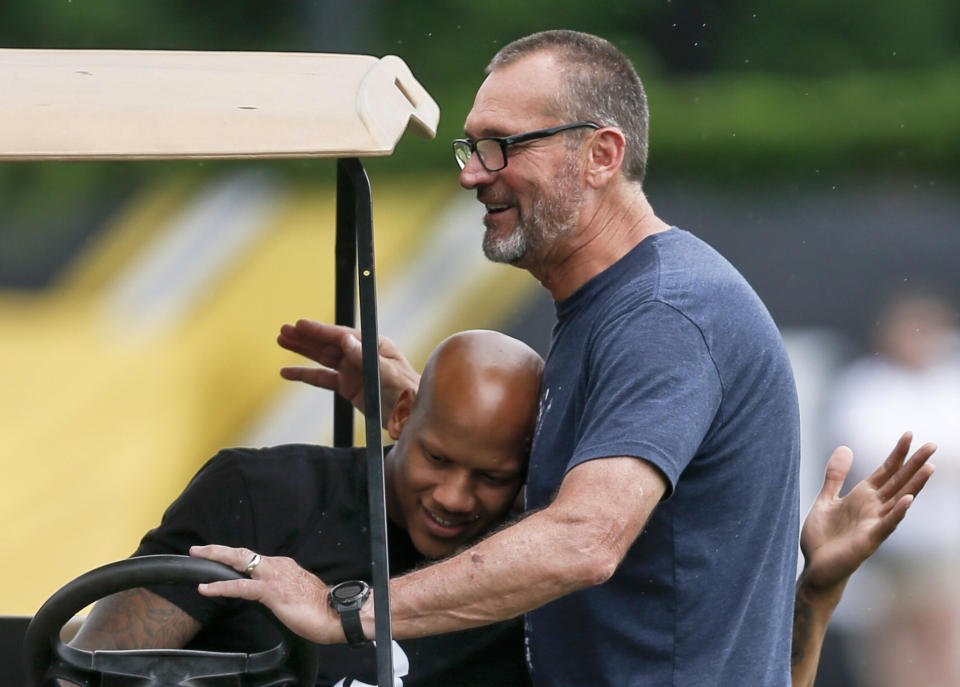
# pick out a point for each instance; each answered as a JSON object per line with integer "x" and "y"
{"x": 737, "y": 86}
{"x": 739, "y": 89}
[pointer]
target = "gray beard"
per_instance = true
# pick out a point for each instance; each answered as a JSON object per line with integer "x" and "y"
{"x": 509, "y": 249}
{"x": 551, "y": 217}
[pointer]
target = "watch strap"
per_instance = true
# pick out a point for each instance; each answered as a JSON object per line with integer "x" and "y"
{"x": 353, "y": 628}
{"x": 347, "y": 599}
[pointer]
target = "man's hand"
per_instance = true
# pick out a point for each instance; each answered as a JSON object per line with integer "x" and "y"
{"x": 296, "y": 597}
{"x": 840, "y": 533}
{"x": 338, "y": 351}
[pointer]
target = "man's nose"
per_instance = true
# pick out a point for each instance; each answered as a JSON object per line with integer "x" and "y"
{"x": 455, "y": 493}
{"x": 473, "y": 173}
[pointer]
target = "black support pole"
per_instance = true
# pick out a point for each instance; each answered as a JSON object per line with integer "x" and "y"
{"x": 349, "y": 170}
{"x": 346, "y": 291}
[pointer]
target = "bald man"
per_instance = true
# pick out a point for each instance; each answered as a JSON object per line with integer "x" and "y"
{"x": 455, "y": 471}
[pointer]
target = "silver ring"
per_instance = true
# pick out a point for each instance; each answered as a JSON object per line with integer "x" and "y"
{"x": 254, "y": 562}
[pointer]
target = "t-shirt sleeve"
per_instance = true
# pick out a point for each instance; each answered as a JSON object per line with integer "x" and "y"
{"x": 213, "y": 509}
{"x": 653, "y": 390}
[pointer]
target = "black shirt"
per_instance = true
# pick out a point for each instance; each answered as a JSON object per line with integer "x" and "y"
{"x": 310, "y": 503}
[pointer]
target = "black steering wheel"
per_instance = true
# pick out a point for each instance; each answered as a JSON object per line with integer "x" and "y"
{"x": 293, "y": 662}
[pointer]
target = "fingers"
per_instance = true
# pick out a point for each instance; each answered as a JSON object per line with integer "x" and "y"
{"x": 332, "y": 346}
{"x": 907, "y": 478}
{"x": 352, "y": 349}
{"x": 251, "y": 590}
{"x": 837, "y": 469}
{"x": 888, "y": 523}
{"x": 893, "y": 461}
{"x": 321, "y": 377}
{"x": 236, "y": 558}
{"x": 320, "y": 333}
{"x": 320, "y": 342}
{"x": 323, "y": 352}
{"x": 918, "y": 480}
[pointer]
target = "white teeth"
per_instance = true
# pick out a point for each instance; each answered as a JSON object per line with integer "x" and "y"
{"x": 449, "y": 523}
{"x": 496, "y": 208}
{"x": 445, "y": 523}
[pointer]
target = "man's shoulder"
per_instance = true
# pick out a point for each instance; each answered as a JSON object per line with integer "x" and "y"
{"x": 274, "y": 495}
{"x": 306, "y": 453}
{"x": 686, "y": 262}
{"x": 673, "y": 268}
{"x": 287, "y": 467}
{"x": 698, "y": 281}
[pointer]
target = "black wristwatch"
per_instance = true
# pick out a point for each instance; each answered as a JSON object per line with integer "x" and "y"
{"x": 346, "y": 599}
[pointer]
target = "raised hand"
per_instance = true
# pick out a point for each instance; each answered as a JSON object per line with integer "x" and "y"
{"x": 840, "y": 533}
{"x": 338, "y": 351}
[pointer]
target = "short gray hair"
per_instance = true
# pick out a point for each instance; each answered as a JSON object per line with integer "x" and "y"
{"x": 600, "y": 85}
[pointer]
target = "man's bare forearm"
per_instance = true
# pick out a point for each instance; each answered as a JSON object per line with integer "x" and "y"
{"x": 136, "y": 619}
{"x": 811, "y": 615}
{"x": 502, "y": 577}
{"x": 575, "y": 543}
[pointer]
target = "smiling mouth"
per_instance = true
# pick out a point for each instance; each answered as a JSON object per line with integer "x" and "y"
{"x": 496, "y": 208}
{"x": 444, "y": 527}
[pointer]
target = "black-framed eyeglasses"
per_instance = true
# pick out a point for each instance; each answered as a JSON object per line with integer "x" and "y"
{"x": 493, "y": 151}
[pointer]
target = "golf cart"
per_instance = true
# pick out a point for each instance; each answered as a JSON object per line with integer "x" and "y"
{"x": 158, "y": 105}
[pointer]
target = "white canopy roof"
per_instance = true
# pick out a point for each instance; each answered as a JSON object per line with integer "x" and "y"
{"x": 115, "y": 104}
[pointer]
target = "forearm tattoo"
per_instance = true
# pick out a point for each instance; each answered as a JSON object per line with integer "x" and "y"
{"x": 136, "y": 619}
{"x": 802, "y": 627}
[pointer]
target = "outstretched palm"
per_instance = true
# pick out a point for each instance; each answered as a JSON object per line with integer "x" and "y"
{"x": 840, "y": 533}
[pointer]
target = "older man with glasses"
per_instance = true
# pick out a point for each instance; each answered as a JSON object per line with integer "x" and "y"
{"x": 660, "y": 546}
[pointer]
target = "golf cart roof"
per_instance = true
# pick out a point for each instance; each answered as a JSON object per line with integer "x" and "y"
{"x": 116, "y": 104}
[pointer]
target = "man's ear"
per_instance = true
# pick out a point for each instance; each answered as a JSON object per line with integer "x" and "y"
{"x": 605, "y": 156}
{"x": 401, "y": 413}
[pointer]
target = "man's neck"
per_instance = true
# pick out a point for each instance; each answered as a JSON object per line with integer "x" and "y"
{"x": 611, "y": 228}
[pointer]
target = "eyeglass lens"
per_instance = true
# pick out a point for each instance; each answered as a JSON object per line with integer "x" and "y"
{"x": 489, "y": 151}
{"x": 491, "y": 154}
{"x": 462, "y": 151}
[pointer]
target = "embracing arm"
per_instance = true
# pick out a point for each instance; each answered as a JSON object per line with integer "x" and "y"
{"x": 576, "y": 542}
{"x": 136, "y": 619}
{"x": 840, "y": 533}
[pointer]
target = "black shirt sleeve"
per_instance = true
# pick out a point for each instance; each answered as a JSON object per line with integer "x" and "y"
{"x": 214, "y": 508}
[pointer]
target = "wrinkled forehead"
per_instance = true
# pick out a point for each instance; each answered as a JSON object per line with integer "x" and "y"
{"x": 519, "y": 97}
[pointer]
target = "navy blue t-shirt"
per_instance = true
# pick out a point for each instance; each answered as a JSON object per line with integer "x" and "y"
{"x": 671, "y": 357}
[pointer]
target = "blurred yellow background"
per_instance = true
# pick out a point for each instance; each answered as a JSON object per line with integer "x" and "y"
{"x": 158, "y": 347}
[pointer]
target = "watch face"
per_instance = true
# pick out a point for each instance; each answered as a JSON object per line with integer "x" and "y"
{"x": 347, "y": 590}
